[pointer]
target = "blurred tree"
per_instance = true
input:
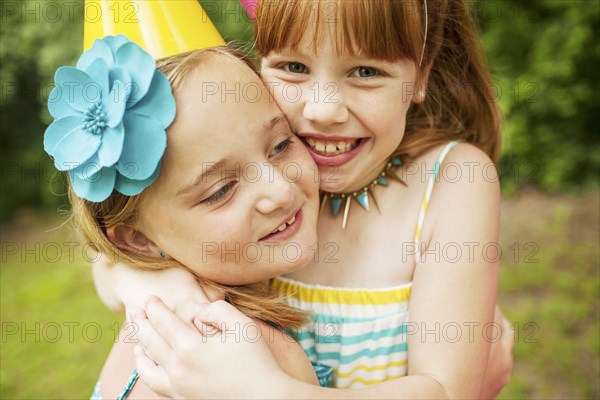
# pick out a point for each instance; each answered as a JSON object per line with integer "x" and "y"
{"x": 35, "y": 38}
{"x": 543, "y": 55}
{"x": 544, "y": 59}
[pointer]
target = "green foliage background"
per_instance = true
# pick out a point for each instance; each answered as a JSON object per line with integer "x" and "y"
{"x": 543, "y": 55}
{"x": 544, "y": 59}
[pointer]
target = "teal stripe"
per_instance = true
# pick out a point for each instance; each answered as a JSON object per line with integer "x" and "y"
{"x": 349, "y": 340}
{"x": 348, "y": 358}
{"x": 331, "y": 319}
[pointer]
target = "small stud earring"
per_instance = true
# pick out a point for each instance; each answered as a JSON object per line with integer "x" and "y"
{"x": 163, "y": 255}
{"x": 422, "y": 94}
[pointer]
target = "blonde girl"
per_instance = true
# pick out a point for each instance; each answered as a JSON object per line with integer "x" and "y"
{"x": 164, "y": 219}
{"x": 378, "y": 89}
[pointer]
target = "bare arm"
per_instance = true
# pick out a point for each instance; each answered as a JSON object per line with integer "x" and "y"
{"x": 121, "y": 286}
{"x": 445, "y": 295}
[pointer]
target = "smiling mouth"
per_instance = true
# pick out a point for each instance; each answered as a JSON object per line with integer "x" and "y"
{"x": 331, "y": 147}
{"x": 282, "y": 230}
{"x": 284, "y": 226}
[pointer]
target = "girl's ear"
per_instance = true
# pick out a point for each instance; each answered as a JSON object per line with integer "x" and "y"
{"x": 129, "y": 239}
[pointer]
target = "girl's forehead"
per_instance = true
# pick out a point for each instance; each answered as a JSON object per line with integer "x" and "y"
{"x": 221, "y": 106}
{"x": 386, "y": 30}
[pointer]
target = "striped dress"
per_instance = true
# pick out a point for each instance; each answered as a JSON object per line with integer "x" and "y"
{"x": 360, "y": 333}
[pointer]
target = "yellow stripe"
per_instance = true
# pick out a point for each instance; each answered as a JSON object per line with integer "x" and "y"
{"x": 425, "y": 202}
{"x": 373, "y": 368}
{"x": 341, "y": 296}
{"x": 370, "y": 381}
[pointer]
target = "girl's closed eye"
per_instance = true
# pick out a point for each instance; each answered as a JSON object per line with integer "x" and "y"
{"x": 219, "y": 195}
{"x": 282, "y": 147}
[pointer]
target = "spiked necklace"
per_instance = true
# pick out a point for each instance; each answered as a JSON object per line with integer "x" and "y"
{"x": 361, "y": 195}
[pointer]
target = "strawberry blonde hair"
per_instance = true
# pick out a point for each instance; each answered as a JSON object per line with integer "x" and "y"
{"x": 460, "y": 102}
{"x": 93, "y": 219}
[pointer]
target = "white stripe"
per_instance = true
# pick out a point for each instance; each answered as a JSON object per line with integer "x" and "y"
{"x": 350, "y": 311}
{"x": 356, "y": 328}
{"x": 324, "y": 346}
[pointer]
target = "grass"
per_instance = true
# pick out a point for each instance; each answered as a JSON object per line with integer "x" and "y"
{"x": 550, "y": 292}
{"x": 56, "y": 333}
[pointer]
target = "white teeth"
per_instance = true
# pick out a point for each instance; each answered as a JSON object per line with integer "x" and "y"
{"x": 331, "y": 148}
{"x": 285, "y": 225}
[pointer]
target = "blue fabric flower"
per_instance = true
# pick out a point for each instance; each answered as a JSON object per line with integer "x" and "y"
{"x": 110, "y": 117}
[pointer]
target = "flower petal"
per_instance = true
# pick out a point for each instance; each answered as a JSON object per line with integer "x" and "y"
{"x": 115, "y": 104}
{"x": 144, "y": 146}
{"x": 96, "y": 188}
{"x": 131, "y": 187}
{"x": 159, "y": 101}
{"x": 77, "y": 87}
{"x": 58, "y": 106}
{"x": 58, "y": 129}
{"x": 98, "y": 72}
{"x": 112, "y": 145}
{"x": 141, "y": 67}
{"x": 99, "y": 49}
{"x": 115, "y": 42}
{"x": 74, "y": 148}
{"x": 120, "y": 74}
{"x": 88, "y": 169}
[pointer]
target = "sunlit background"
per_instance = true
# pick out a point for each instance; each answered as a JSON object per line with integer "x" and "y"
{"x": 544, "y": 56}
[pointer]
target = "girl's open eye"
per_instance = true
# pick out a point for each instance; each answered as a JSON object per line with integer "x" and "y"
{"x": 282, "y": 147}
{"x": 219, "y": 194}
{"x": 296, "y": 68}
{"x": 365, "y": 72}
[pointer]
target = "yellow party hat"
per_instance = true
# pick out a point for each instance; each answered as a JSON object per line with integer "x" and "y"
{"x": 161, "y": 27}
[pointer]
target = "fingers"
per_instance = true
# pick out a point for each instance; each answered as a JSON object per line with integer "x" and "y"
{"x": 176, "y": 333}
{"x": 221, "y": 315}
{"x": 153, "y": 375}
{"x": 154, "y": 345}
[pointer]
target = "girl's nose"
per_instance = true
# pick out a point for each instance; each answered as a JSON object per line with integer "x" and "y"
{"x": 325, "y": 106}
{"x": 275, "y": 191}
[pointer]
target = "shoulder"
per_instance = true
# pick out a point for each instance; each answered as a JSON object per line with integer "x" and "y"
{"x": 118, "y": 369}
{"x": 464, "y": 170}
{"x": 287, "y": 352}
{"x": 466, "y": 192}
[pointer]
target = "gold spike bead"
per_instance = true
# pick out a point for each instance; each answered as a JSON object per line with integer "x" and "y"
{"x": 346, "y": 209}
{"x": 323, "y": 202}
{"x": 375, "y": 201}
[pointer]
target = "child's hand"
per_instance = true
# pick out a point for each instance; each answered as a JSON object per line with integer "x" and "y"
{"x": 176, "y": 360}
{"x": 500, "y": 362}
{"x": 119, "y": 285}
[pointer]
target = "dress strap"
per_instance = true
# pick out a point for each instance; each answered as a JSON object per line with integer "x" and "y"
{"x": 129, "y": 385}
{"x": 427, "y": 196}
{"x": 97, "y": 395}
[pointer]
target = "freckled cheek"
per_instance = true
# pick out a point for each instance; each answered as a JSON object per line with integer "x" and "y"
{"x": 307, "y": 173}
{"x": 291, "y": 106}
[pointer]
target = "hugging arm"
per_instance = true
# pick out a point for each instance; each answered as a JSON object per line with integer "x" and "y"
{"x": 446, "y": 298}
{"x": 121, "y": 286}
